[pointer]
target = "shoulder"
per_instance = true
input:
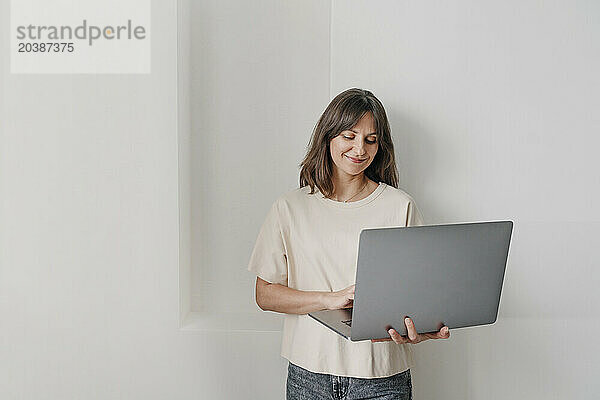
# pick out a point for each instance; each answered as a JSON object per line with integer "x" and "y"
{"x": 298, "y": 205}
{"x": 414, "y": 216}
{"x": 293, "y": 199}
{"x": 398, "y": 195}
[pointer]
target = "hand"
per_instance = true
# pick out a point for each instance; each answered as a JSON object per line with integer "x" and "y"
{"x": 414, "y": 337}
{"x": 341, "y": 299}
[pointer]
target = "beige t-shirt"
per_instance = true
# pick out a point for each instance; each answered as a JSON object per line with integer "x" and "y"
{"x": 309, "y": 242}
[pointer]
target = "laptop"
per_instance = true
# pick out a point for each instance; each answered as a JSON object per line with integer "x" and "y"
{"x": 437, "y": 275}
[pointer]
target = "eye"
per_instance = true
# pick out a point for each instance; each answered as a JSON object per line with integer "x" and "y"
{"x": 369, "y": 141}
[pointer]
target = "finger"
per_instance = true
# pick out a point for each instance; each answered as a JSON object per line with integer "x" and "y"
{"x": 444, "y": 333}
{"x": 396, "y": 337}
{"x": 410, "y": 328}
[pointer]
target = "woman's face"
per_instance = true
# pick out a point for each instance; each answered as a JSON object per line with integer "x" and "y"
{"x": 352, "y": 151}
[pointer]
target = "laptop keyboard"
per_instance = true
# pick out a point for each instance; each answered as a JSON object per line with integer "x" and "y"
{"x": 348, "y": 322}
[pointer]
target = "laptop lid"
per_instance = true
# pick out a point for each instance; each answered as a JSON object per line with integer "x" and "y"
{"x": 437, "y": 275}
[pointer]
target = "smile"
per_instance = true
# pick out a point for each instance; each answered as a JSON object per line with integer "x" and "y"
{"x": 355, "y": 160}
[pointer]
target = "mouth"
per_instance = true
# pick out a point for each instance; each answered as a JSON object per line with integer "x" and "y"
{"x": 355, "y": 160}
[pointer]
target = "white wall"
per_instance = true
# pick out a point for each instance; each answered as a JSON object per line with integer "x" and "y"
{"x": 493, "y": 107}
{"x": 259, "y": 81}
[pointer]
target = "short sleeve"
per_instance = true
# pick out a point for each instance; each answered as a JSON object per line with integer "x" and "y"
{"x": 413, "y": 215}
{"x": 268, "y": 259}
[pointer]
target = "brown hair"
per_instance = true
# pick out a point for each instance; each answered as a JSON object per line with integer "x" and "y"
{"x": 342, "y": 113}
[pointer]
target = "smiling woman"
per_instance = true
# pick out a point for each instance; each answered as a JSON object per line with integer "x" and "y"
{"x": 354, "y": 127}
{"x": 305, "y": 254}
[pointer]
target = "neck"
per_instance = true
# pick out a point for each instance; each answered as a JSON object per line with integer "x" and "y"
{"x": 345, "y": 186}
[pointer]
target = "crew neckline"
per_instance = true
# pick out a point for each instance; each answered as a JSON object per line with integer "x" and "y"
{"x": 353, "y": 204}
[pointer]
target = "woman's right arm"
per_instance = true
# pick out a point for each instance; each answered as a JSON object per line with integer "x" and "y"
{"x": 280, "y": 298}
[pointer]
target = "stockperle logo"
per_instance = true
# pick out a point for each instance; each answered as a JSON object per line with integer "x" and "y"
{"x": 86, "y": 36}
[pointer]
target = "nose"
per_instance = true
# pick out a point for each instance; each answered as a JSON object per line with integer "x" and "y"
{"x": 359, "y": 147}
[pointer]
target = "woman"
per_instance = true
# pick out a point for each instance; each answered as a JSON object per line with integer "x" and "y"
{"x": 305, "y": 255}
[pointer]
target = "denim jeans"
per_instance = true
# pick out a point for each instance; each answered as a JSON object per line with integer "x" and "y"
{"x": 306, "y": 385}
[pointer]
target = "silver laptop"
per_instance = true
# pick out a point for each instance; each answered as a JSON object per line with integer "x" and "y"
{"x": 435, "y": 274}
